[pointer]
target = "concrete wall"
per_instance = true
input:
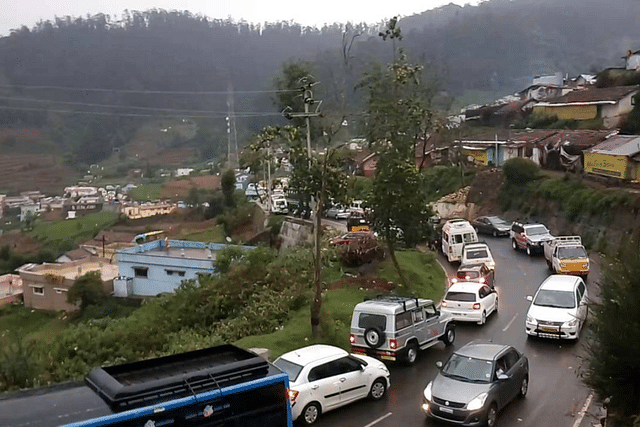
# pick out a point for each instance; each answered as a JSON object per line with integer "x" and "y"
{"x": 295, "y": 232}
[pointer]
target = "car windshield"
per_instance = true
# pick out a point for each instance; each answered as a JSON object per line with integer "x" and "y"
{"x": 556, "y": 299}
{"x": 366, "y": 320}
{"x": 468, "y": 369}
{"x": 572, "y": 253}
{"x": 289, "y": 368}
{"x": 460, "y": 296}
{"x": 538, "y": 229}
{"x": 498, "y": 222}
{"x": 477, "y": 253}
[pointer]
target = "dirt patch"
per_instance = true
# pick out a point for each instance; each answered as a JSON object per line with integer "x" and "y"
{"x": 20, "y": 243}
{"x": 484, "y": 192}
{"x": 178, "y": 189}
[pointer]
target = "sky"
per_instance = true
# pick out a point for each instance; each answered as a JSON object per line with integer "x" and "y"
{"x": 16, "y": 13}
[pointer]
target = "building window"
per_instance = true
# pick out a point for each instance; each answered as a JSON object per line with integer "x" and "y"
{"x": 38, "y": 290}
{"x": 60, "y": 291}
{"x": 141, "y": 272}
{"x": 175, "y": 272}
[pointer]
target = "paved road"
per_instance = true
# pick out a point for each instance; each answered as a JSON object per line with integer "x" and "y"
{"x": 556, "y": 395}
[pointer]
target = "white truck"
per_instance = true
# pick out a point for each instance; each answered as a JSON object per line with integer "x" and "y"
{"x": 567, "y": 255}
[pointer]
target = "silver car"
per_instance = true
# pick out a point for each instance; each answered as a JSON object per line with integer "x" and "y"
{"x": 477, "y": 381}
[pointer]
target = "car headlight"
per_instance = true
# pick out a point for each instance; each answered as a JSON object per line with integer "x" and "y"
{"x": 477, "y": 402}
{"x": 571, "y": 323}
{"x": 585, "y": 265}
{"x": 491, "y": 265}
{"x": 427, "y": 392}
{"x": 531, "y": 319}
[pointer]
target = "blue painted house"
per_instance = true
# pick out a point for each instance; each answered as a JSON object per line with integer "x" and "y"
{"x": 160, "y": 266}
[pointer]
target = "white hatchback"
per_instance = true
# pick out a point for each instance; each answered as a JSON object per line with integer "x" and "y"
{"x": 323, "y": 377}
{"x": 558, "y": 309}
{"x": 470, "y": 302}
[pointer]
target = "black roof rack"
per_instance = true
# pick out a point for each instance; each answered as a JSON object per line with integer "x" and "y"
{"x": 398, "y": 299}
{"x": 152, "y": 381}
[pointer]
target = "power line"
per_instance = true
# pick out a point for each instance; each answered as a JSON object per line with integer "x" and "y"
{"x": 169, "y": 92}
{"x": 9, "y": 98}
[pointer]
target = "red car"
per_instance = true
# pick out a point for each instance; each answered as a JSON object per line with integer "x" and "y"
{"x": 475, "y": 273}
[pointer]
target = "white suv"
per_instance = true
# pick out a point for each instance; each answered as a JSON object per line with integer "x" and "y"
{"x": 395, "y": 328}
{"x": 323, "y": 377}
{"x": 558, "y": 309}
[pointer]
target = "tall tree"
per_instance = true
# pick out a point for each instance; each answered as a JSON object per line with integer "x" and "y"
{"x": 397, "y": 113}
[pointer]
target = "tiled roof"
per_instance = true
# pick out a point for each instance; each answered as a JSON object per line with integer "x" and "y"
{"x": 593, "y": 95}
{"x": 621, "y": 145}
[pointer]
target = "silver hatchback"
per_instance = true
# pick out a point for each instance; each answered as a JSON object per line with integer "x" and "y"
{"x": 477, "y": 381}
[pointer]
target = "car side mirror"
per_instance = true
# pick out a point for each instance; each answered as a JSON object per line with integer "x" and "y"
{"x": 502, "y": 377}
{"x": 529, "y": 298}
{"x": 439, "y": 364}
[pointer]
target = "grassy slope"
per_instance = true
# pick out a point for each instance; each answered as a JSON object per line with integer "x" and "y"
{"x": 427, "y": 280}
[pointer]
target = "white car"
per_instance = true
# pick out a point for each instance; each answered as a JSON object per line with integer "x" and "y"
{"x": 337, "y": 212}
{"x": 323, "y": 377}
{"x": 470, "y": 302}
{"x": 558, "y": 309}
{"x": 477, "y": 253}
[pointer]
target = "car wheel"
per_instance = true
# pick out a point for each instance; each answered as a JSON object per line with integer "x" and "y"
{"x": 449, "y": 335}
{"x": 411, "y": 353}
{"x": 374, "y": 337}
{"x": 492, "y": 415}
{"x": 514, "y": 244}
{"x": 495, "y": 233}
{"x": 549, "y": 265}
{"x": 483, "y": 319}
{"x": 496, "y": 306}
{"x": 310, "y": 413}
{"x": 529, "y": 251}
{"x": 524, "y": 387}
{"x": 378, "y": 389}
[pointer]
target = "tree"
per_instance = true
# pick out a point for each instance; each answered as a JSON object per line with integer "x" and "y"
{"x": 87, "y": 289}
{"x": 613, "y": 347}
{"x": 397, "y": 115}
{"x": 228, "y": 184}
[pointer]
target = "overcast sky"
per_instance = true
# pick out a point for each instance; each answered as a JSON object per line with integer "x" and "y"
{"x": 16, "y": 13}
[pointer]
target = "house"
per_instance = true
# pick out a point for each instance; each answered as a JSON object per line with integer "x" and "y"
{"x": 161, "y": 266}
{"x": 428, "y": 153}
{"x": 632, "y": 60}
{"x": 45, "y": 286}
{"x": 184, "y": 171}
{"x": 609, "y": 104}
{"x": 29, "y": 210}
{"x": 147, "y": 210}
{"x": 10, "y": 289}
{"x": 80, "y": 191}
{"x": 85, "y": 205}
{"x": 539, "y": 92}
{"x": 617, "y": 157}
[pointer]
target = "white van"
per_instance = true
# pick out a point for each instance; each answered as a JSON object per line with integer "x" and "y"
{"x": 455, "y": 234}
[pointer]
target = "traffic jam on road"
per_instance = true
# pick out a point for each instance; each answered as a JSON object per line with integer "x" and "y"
{"x": 482, "y": 353}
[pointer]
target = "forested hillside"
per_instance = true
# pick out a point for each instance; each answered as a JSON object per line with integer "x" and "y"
{"x": 90, "y": 83}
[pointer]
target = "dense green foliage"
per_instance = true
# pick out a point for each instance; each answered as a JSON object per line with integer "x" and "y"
{"x": 87, "y": 290}
{"x": 441, "y": 180}
{"x": 520, "y": 171}
{"x": 613, "y": 347}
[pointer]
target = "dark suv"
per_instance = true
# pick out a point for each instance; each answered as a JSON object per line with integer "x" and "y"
{"x": 529, "y": 237}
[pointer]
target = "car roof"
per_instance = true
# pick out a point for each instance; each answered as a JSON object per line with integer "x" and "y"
{"x": 467, "y": 286}
{"x": 313, "y": 353}
{"x": 391, "y": 305}
{"x": 475, "y": 244}
{"x": 481, "y": 350}
{"x": 559, "y": 282}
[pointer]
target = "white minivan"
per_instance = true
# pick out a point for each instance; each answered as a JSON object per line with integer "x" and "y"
{"x": 455, "y": 234}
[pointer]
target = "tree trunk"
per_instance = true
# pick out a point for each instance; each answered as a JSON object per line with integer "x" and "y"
{"x": 392, "y": 254}
{"x": 316, "y": 305}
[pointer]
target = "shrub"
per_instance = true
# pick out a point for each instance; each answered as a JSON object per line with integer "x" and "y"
{"x": 520, "y": 171}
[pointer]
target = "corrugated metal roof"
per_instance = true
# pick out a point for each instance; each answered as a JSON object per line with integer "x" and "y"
{"x": 619, "y": 145}
{"x": 592, "y": 96}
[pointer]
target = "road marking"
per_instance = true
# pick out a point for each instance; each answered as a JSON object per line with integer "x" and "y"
{"x": 510, "y": 322}
{"x": 378, "y": 420}
{"x": 583, "y": 410}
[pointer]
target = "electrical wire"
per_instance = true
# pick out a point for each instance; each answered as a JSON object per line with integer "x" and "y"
{"x": 154, "y": 92}
{"x": 99, "y": 113}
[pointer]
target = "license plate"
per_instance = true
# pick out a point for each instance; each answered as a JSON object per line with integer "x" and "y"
{"x": 548, "y": 328}
{"x": 392, "y": 358}
{"x": 447, "y": 410}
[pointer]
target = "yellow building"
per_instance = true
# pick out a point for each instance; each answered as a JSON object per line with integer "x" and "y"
{"x": 145, "y": 211}
{"x": 615, "y": 157}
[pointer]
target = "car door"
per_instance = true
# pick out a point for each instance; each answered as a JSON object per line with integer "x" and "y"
{"x": 505, "y": 387}
{"x": 483, "y": 226}
{"x": 489, "y": 276}
{"x": 352, "y": 379}
{"x": 421, "y": 329}
{"x": 433, "y": 325}
{"x": 324, "y": 385}
{"x": 581, "y": 298}
{"x": 516, "y": 371}
{"x": 487, "y": 299}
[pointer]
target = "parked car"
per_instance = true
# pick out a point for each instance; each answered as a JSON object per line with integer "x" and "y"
{"x": 350, "y": 237}
{"x": 529, "y": 237}
{"x": 475, "y": 273}
{"x": 337, "y": 212}
{"x": 493, "y": 225}
{"x": 470, "y": 302}
{"x": 323, "y": 377}
{"x": 476, "y": 383}
{"x": 479, "y": 252}
{"x": 558, "y": 309}
{"x": 396, "y": 328}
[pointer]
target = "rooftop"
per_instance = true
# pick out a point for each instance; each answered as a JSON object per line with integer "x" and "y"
{"x": 604, "y": 95}
{"x": 622, "y": 145}
{"x": 75, "y": 269}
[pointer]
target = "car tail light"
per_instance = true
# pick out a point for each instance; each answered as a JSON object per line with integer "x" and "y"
{"x": 454, "y": 280}
{"x": 481, "y": 280}
{"x": 476, "y": 306}
{"x": 352, "y": 338}
{"x": 393, "y": 344}
{"x": 292, "y": 395}
{"x": 443, "y": 304}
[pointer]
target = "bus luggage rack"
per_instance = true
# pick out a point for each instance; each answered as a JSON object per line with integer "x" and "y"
{"x": 148, "y": 382}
